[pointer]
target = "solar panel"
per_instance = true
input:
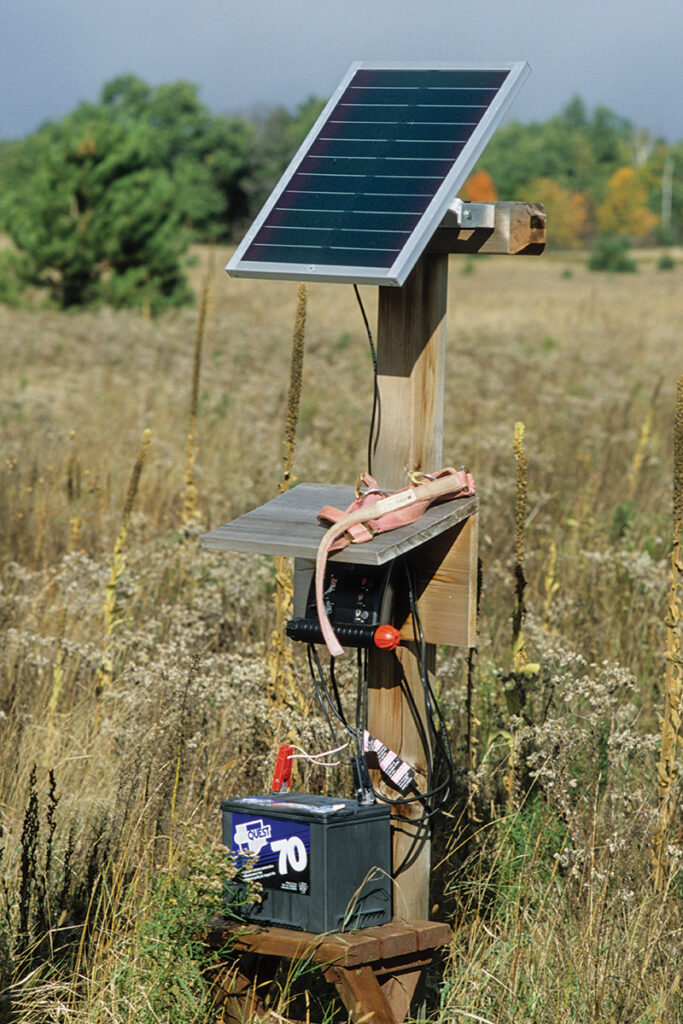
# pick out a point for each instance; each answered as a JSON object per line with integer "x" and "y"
{"x": 373, "y": 179}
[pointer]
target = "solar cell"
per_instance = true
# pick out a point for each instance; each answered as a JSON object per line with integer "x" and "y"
{"x": 376, "y": 174}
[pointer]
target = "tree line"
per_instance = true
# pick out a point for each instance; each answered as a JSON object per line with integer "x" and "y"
{"x": 102, "y": 205}
{"x": 596, "y": 174}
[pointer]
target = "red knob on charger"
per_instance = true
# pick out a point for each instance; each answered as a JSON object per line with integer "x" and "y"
{"x": 387, "y": 638}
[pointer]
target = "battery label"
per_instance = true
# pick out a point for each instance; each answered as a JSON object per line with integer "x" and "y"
{"x": 273, "y": 851}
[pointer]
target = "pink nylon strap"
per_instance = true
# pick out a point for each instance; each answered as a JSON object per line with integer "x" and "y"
{"x": 356, "y": 534}
{"x": 376, "y": 513}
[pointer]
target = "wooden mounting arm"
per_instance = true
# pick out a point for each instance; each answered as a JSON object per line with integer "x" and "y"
{"x": 510, "y": 229}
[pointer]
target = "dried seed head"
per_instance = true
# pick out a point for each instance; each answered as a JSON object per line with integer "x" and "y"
{"x": 295, "y": 378}
{"x": 520, "y": 508}
{"x": 678, "y": 459}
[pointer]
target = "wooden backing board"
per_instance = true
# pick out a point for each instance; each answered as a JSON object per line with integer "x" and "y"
{"x": 445, "y": 570}
{"x": 288, "y": 525}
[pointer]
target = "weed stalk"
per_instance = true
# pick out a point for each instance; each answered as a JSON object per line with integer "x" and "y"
{"x": 282, "y": 681}
{"x": 190, "y": 494}
{"x": 514, "y": 685}
{"x": 518, "y": 650}
{"x": 106, "y": 672}
{"x": 57, "y": 674}
{"x": 636, "y": 468}
{"x": 673, "y": 681}
{"x": 29, "y": 857}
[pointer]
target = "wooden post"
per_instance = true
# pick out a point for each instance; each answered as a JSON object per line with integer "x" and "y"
{"x": 411, "y": 336}
{"x": 411, "y": 354}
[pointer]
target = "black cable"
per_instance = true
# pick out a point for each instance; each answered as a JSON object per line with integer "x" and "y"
{"x": 419, "y": 827}
{"x": 431, "y": 791}
{"x": 421, "y": 823}
{"x": 363, "y": 690}
{"x": 359, "y": 702}
{"x": 364, "y": 789}
{"x": 421, "y": 661}
{"x": 431, "y": 728}
{"x": 312, "y": 655}
{"x": 376, "y": 405}
{"x": 417, "y": 797}
{"x": 439, "y": 736}
{"x": 321, "y": 693}
{"x": 418, "y": 633}
{"x": 335, "y": 690}
{"x": 415, "y": 848}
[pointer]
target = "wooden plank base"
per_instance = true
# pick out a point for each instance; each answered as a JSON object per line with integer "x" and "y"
{"x": 376, "y": 971}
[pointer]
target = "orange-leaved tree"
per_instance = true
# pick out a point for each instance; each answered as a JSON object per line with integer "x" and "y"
{"x": 567, "y": 212}
{"x": 479, "y": 188}
{"x": 624, "y": 209}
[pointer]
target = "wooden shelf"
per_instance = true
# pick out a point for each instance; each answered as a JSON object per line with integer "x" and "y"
{"x": 376, "y": 971}
{"x": 288, "y": 525}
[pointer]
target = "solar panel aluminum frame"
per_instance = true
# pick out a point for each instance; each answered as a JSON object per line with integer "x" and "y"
{"x": 430, "y": 220}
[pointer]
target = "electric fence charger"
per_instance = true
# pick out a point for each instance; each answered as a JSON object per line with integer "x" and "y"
{"x": 358, "y": 602}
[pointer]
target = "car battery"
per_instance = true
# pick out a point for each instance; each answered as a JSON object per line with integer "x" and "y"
{"x": 323, "y": 864}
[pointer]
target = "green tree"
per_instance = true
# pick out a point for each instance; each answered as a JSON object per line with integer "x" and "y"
{"x": 92, "y": 220}
{"x": 206, "y": 155}
{"x": 277, "y": 137}
{"x": 662, "y": 176}
{"x": 576, "y": 150}
{"x": 612, "y": 254}
{"x": 609, "y": 138}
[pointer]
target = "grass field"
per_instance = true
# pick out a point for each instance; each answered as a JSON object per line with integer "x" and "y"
{"x": 134, "y": 675}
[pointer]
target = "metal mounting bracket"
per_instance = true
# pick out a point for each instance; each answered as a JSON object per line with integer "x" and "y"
{"x": 469, "y": 215}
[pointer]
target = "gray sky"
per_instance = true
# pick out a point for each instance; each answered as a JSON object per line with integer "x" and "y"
{"x": 623, "y": 54}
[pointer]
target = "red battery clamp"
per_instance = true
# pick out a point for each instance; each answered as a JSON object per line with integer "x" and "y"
{"x": 283, "y": 768}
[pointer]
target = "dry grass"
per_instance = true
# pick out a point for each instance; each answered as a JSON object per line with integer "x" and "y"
{"x": 556, "y": 914}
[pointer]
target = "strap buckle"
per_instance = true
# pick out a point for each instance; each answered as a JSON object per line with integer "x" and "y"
{"x": 366, "y": 526}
